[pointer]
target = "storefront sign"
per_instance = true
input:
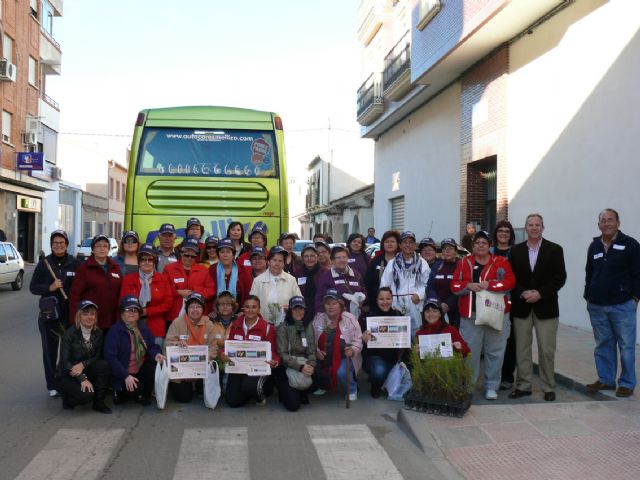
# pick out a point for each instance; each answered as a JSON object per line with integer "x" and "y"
{"x": 30, "y": 161}
{"x": 29, "y": 204}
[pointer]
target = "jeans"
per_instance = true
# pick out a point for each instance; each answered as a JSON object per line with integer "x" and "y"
{"x": 50, "y": 342}
{"x": 614, "y": 328}
{"x": 342, "y": 376}
{"x": 377, "y": 368}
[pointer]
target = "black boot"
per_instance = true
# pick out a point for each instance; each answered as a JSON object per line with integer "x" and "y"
{"x": 100, "y": 406}
{"x": 376, "y": 390}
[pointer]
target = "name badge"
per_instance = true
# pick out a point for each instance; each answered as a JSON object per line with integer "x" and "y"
{"x": 257, "y": 338}
{"x": 304, "y": 342}
{"x": 378, "y": 267}
{"x": 71, "y": 274}
{"x": 339, "y": 282}
{"x": 171, "y": 260}
{"x": 598, "y": 255}
{"x": 439, "y": 276}
{"x": 205, "y": 336}
{"x": 238, "y": 337}
{"x": 218, "y": 336}
{"x": 184, "y": 337}
{"x": 178, "y": 280}
{"x": 302, "y": 281}
{"x": 355, "y": 284}
{"x": 247, "y": 263}
{"x": 352, "y": 260}
{"x": 619, "y": 247}
{"x": 449, "y": 277}
{"x": 115, "y": 275}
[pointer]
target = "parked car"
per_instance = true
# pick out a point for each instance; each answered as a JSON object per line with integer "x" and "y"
{"x": 300, "y": 244}
{"x": 11, "y": 266}
{"x": 84, "y": 249}
{"x": 375, "y": 247}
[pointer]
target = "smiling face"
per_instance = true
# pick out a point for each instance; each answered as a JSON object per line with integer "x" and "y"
{"x": 251, "y": 310}
{"x": 340, "y": 260}
{"x": 408, "y": 246}
{"x": 608, "y": 224}
{"x": 101, "y": 250}
{"x": 276, "y": 264}
{"x": 390, "y": 246}
{"x": 235, "y": 233}
{"x": 324, "y": 256}
{"x": 448, "y": 253}
{"x": 195, "y": 311}
{"x": 88, "y": 317}
{"x": 58, "y": 246}
{"x": 130, "y": 315}
{"x": 188, "y": 258}
{"x": 481, "y": 247}
{"x": 258, "y": 263}
{"x": 431, "y": 315}
{"x": 534, "y": 228}
{"x": 310, "y": 258}
{"x": 130, "y": 245}
{"x": 428, "y": 253}
{"x": 384, "y": 300}
{"x": 356, "y": 244}
{"x": 297, "y": 313}
{"x": 146, "y": 264}
{"x": 332, "y": 308}
{"x": 503, "y": 235}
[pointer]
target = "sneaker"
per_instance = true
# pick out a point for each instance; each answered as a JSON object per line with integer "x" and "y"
{"x": 353, "y": 397}
{"x": 261, "y": 403}
{"x": 53, "y": 393}
{"x": 319, "y": 392}
{"x": 491, "y": 395}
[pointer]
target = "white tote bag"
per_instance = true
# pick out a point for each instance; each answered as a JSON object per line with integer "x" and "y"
{"x": 162, "y": 383}
{"x": 212, "y": 386}
{"x": 490, "y": 309}
{"x": 398, "y": 382}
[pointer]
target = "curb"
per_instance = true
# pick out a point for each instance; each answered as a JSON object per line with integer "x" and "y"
{"x": 576, "y": 385}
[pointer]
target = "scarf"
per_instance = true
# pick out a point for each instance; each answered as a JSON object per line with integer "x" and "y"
{"x": 336, "y": 354}
{"x": 145, "y": 288}
{"x": 196, "y": 332}
{"x": 139, "y": 345}
{"x": 220, "y": 279}
{"x": 406, "y": 270}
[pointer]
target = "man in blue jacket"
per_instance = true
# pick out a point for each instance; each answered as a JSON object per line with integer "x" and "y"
{"x": 612, "y": 290}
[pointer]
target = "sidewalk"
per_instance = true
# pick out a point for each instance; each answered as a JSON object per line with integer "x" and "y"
{"x": 578, "y": 440}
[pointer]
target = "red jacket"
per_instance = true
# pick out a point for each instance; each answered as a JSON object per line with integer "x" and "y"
{"x": 497, "y": 272}
{"x": 241, "y": 293}
{"x": 439, "y": 328}
{"x": 244, "y": 260}
{"x": 92, "y": 283}
{"x": 260, "y": 332}
{"x": 161, "y": 299}
{"x": 197, "y": 279}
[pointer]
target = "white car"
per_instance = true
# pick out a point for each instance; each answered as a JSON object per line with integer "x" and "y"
{"x": 11, "y": 266}
{"x": 84, "y": 249}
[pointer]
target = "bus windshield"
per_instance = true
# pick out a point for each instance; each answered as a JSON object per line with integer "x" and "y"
{"x": 188, "y": 152}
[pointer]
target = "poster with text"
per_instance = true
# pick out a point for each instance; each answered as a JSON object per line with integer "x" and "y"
{"x": 431, "y": 344}
{"x": 187, "y": 362}
{"x": 250, "y": 358}
{"x": 389, "y": 332}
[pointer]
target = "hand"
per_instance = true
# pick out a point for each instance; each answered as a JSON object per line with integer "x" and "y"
{"x": 445, "y": 307}
{"x": 273, "y": 363}
{"x": 366, "y": 336}
{"x": 457, "y": 345}
{"x": 55, "y": 285}
{"x": 484, "y": 285}
{"x": 159, "y": 358}
{"x": 77, "y": 369}
{"x": 86, "y": 386}
{"x": 532, "y": 296}
{"x": 415, "y": 298}
{"x": 321, "y": 354}
{"x": 307, "y": 370}
{"x": 131, "y": 383}
{"x": 184, "y": 293}
{"x": 183, "y": 344}
{"x": 348, "y": 352}
{"x": 474, "y": 287}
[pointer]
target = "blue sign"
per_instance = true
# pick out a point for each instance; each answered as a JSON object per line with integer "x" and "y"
{"x": 30, "y": 161}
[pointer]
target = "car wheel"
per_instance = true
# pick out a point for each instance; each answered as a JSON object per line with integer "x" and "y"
{"x": 17, "y": 283}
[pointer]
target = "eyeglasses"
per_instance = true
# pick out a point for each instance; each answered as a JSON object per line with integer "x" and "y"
{"x": 146, "y": 260}
{"x": 130, "y": 241}
{"x": 211, "y": 247}
{"x": 189, "y": 256}
{"x": 131, "y": 310}
{"x": 62, "y": 242}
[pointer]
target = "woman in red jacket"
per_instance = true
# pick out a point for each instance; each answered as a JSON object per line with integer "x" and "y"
{"x": 477, "y": 272}
{"x": 433, "y": 324}
{"x": 153, "y": 290}
{"x": 98, "y": 280}
{"x": 250, "y": 326}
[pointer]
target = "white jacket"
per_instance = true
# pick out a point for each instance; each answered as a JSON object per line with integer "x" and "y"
{"x": 286, "y": 286}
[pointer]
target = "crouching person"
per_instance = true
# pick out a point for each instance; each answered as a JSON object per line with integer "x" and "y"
{"x": 194, "y": 328}
{"x": 130, "y": 351}
{"x": 81, "y": 376}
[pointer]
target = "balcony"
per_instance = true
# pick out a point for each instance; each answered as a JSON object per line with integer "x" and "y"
{"x": 371, "y": 15}
{"x": 370, "y": 100}
{"x": 49, "y": 111}
{"x": 50, "y": 54}
{"x": 397, "y": 70}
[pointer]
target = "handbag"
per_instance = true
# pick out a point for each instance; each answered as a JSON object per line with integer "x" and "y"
{"x": 490, "y": 309}
{"x": 162, "y": 384}
{"x": 49, "y": 308}
{"x": 212, "y": 386}
{"x": 398, "y": 382}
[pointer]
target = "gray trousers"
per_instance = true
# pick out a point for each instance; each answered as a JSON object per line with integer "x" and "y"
{"x": 546, "y": 331}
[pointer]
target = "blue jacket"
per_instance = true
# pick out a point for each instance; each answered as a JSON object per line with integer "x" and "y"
{"x": 613, "y": 277}
{"x": 64, "y": 268}
{"x": 117, "y": 351}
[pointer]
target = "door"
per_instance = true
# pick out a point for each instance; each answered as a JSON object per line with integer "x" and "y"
{"x": 26, "y": 235}
{"x": 4, "y": 265}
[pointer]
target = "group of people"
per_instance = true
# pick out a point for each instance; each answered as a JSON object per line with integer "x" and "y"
{"x": 312, "y": 308}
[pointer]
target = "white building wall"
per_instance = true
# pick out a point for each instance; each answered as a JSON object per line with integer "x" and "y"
{"x": 50, "y": 216}
{"x": 425, "y": 149}
{"x": 572, "y": 138}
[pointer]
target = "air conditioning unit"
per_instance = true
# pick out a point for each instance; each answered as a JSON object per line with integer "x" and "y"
{"x": 30, "y": 138}
{"x": 7, "y": 71}
{"x": 56, "y": 173}
{"x": 33, "y": 125}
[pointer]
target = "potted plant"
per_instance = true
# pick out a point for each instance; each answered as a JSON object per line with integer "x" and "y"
{"x": 440, "y": 385}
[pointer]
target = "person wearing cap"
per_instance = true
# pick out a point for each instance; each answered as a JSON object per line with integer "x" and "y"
{"x": 476, "y": 272}
{"x": 275, "y": 287}
{"x": 235, "y": 232}
{"x": 433, "y": 323}
{"x": 257, "y": 266}
{"x": 225, "y": 275}
{"x": 407, "y": 276}
{"x": 319, "y": 237}
{"x": 167, "y": 252}
{"x": 194, "y": 229}
{"x": 308, "y": 278}
{"x": 49, "y": 288}
{"x": 340, "y": 277}
{"x": 210, "y": 252}
{"x": 153, "y": 289}
{"x": 251, "y": 326}
{"x": 324, "y": 254}
{"x": 222, "y": 316}
{"x": 371, "y": 237}
{"x": 257, "y": 238}
{"x": 338, "y": 335}
{"x": 187, "y": 276}
{"x": 293, "y": 263}
{"x": 428, "y": 250}
{"x": 389, "y": 248}
{"x": 130, "y": 351}
{"x": 358, "y": 258}
{"x": 439, "y": 283}
{"x": 297, "y": 349}
{"x": 127, "y": 258}
{"x": 98, "y": 279}
{"x": 82, "y": 376}
{"x": 194, "y": 328}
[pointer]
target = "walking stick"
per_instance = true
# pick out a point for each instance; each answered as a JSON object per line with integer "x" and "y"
{"x": 64, "y": 294}
{"x": 348, "y": 365}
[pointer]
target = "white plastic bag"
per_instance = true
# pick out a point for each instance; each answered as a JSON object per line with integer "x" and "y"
{"x": 490, "y": 309}
{"x": 398, "y": 382}
{"x": 212, "y": 386}
{"x": 355, "y": 301}
{"x": 162, "y": 383}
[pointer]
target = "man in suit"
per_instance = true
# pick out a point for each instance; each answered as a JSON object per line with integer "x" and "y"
{"x": 538, "y": 265}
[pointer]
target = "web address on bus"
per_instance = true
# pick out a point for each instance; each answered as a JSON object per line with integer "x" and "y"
{"x": 209, "y": 137}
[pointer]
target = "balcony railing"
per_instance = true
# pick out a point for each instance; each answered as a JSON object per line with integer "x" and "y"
{"x": 397, "y": 61}
{"x": 369, "y": 93}
{"x": 49, "y": 100}
{"x": 51, "y": 39}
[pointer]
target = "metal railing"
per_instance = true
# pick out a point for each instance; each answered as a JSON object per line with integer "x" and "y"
{"x": 49, "y": 100}
{"x": 51, "y": 39}
{"x": 397, "y": 61}
{"x": 370, "y": 93}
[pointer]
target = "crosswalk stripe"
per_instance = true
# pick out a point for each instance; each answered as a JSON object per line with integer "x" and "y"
{"x": 73, "y": 454}
{"x": 213, "y": 453}
{"x": 351, "y": 452}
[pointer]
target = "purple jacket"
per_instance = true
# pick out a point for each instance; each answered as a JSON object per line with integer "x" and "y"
{"x": 349, "y": 282}
{"x": 359, "y": 262}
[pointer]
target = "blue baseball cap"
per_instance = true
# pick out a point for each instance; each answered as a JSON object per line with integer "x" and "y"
{"x": 331, "y": 293}
{"x": 132, "y": 234}
{"x": 130, "y": 302}
{"x": 194, "y": 297}
{"x": 86, "y": 304}
{"x": 407, "y": 234}
{"x": 259, "y": 251}
{"x": 277, "y": 249}
{"x": 449, "y": 241}
{"x": 167, "y": 228}
{"x": 259, "y": 228}
{"x": 226, "y": 243}
{"x": 427, "y": 241}
{"x": 212, "y": 240}
{"x": 147, "y": 249}
{"x": 297, "y": 301}
{"x": 191, "y": 244}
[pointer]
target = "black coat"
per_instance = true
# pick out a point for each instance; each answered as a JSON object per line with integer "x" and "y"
{"x": 73, "y": 349}
{"x": 64, "y": 268}
{"x": 548, "y": 277}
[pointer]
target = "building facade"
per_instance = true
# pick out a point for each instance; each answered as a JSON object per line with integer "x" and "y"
{"x": 114, "y": 191}
{"x": 490, "y": 109}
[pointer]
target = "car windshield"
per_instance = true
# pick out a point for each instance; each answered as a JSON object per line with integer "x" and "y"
{"x": 86, "y": 242}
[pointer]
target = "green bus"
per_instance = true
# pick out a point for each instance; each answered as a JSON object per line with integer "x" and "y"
{"x": 219, "y": 164}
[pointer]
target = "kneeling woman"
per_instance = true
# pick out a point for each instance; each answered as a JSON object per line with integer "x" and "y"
{"x": 296, "y": 347}
{"x": 81, "y": 376}
{"x": 194, "y": 328}
{"x": 129, "y": 349}
{"x": 250, "y": 326}
{"x": 433, "y": 323}
{"x": 338, "y": 337}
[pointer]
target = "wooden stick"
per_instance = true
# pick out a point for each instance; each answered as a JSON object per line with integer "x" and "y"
{"x": 347, "y": 364}
{"x": 64, "y": 295}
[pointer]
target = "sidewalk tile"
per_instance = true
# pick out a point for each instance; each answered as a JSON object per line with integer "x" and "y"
{"x": 562, "y": 427}
{"x": 535, "y": 412}
{"x": 512, "y": 431}
{"x": 461, "y": 437}
{"x": 610, "y": 423}
{"x": 495, "y": 413}
{"x": 441, "y": 421}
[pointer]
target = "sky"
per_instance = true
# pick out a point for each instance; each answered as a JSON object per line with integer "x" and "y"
{"x": 298, "y": 58}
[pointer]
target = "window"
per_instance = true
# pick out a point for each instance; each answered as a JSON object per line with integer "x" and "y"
{"x": 397, "y": 213}
{"x": 124, "y": 191}
{"x": 2, "y": 252}
{"x": 34, "y": 7}
{"x": 117, "y": 190}
{"x": 7, "y": 47}
{"x": 110, "y": 187}
{"x": 11, "y": 253}
{"x": 33, "y": 71}
{"x": 7, "y": 118}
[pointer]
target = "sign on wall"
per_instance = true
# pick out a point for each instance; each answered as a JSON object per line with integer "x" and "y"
{"x": 30, "y": 161}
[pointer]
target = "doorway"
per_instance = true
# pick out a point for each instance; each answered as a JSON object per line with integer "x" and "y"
{"x": 26, "y": 235}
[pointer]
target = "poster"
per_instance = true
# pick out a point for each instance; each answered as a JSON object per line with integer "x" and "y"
{"x": 431, "y": 343}
{"x": 249, "y": 358}
{"x": 187, "y": 362}
{"x": 389, "y": 332}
